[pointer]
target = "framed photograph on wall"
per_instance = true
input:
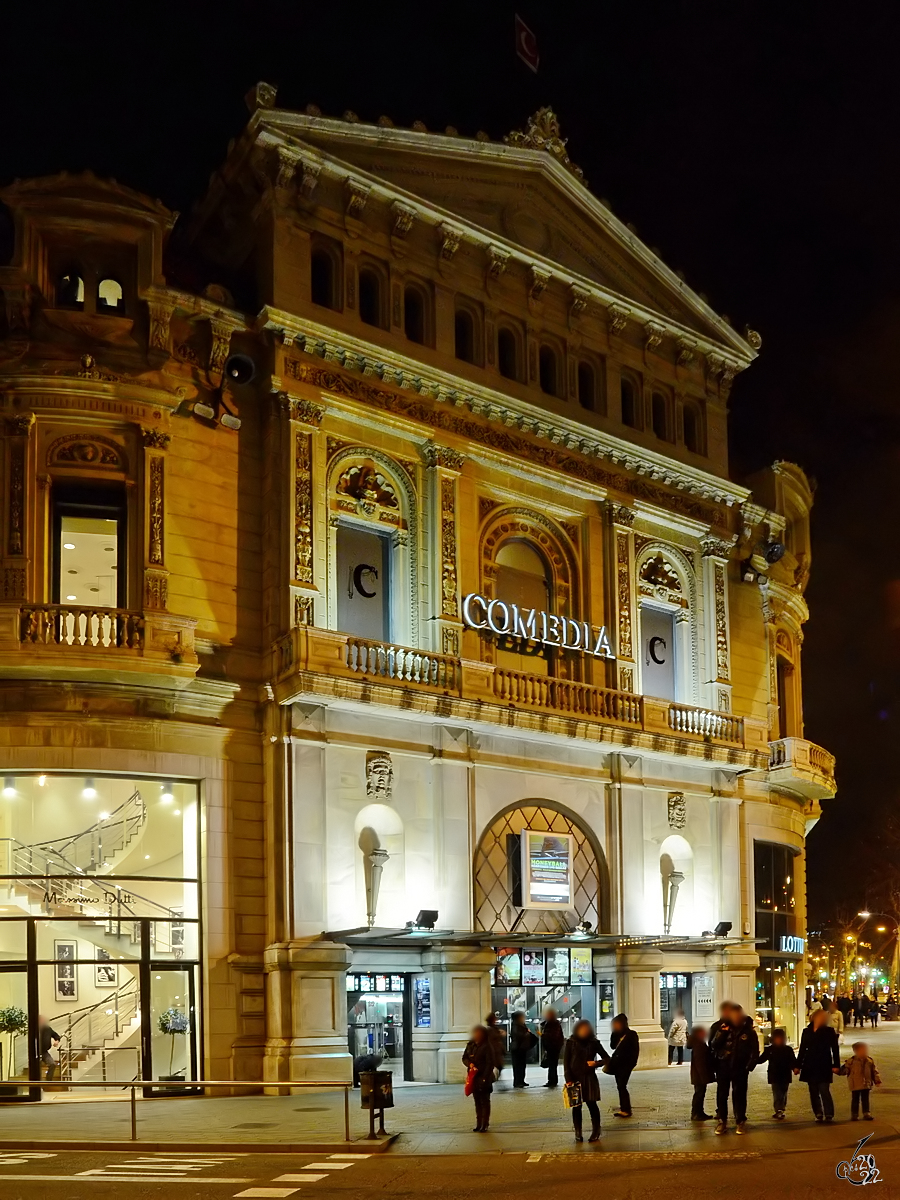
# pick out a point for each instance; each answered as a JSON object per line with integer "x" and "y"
{"x": 106, "y": 973}
{"x": 65, "y": 954}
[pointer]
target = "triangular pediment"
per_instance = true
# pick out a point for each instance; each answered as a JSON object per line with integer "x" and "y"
{"x": 522, "y": 197}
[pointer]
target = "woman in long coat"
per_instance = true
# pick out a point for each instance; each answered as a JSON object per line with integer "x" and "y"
{"x": 479, "y": 1054}
{"x": 583, "y": 1055}
{"x": 818, "y": 1062}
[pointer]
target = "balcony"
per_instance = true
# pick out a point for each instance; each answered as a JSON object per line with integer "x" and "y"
{"x": 105, "y": 645}
{"x": 320, "y": 661}
{"x": 803, "y": 767}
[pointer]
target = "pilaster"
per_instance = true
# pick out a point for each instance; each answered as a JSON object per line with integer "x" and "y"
{"x": 444, "y": 468}
{"x": 622, "y": 607}
{"x": 156, "y": 577}
{"x": 306, "y": 1012}
{"x": 460, "y": 983}
{"x": 716, "y": 553}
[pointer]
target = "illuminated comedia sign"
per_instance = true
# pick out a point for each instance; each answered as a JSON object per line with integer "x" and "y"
{"x": 531, "y": 625}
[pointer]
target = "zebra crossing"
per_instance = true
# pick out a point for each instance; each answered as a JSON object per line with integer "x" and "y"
{"x": 312, "y": 1172}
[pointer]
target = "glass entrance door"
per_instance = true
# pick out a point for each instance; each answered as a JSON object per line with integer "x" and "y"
{"x": 170, "y": 1028}
{"x": 18, "y": 1060}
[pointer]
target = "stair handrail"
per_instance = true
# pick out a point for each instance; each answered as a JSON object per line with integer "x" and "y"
{"x": 129, "y": 824}
{"x": 118, "y": 999}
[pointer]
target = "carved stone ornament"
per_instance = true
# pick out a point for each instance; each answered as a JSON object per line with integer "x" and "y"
{"x": 160, "y": 317}
{"x": 450, "y": 239}
{"x": 155, "y": 439}
{"x": 303, "y": 610}
{"x": 539, "y": 280}
{"x": 404, "y": 216}
{"x": 626, "y": 679}
{"x": 715, "y": 547}
{"x": 306, "y": 412}
{"x": 262, "y": 95}
{"x": 443, "y": 456}
{"x": 156, "y": 589}
{"x": 12, "y": 583}
{"x": 221, "y": 341}
{"x": 617, "y": 318}
{"x": 379, "y": 776}
{"x": 623, "y": 594}
{"x": 87, "y": 450}
{"x": 21, "y": 425}
{"x": 677, "y": 810}
{"x": 687, "y": 352}
{"x": 620, "y": 514}
{"x": 16, "y": 502}
{"x": 542, "y": 133}
{"x": 309, "y": 172}
{"x": 368, "y": 487}
{"x": 754, "y": 340}
{"x": 660, "y": 573}
{"x": 578, "y": 299}
{"x": 449, "y": 601}
{"x": 303, "y": 568}
{"x": 450, "y": 641}
{"x": 357, "y": 195}
{"x": 155, "y": 505}
{"x": 653, "y": 336}
{"x": 497, "y": 261}
{"x": 722, "y": 665}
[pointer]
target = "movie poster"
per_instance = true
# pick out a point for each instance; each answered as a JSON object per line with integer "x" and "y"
{"x": 508, "y": 971}
{"x": 533, "y": 967}
{"x": 582, "y": 969}
{"x": 546, "y": 869}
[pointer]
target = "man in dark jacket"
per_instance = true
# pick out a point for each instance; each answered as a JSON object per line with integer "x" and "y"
{"x": 626, "y": 1048}
{"x": 552, "y": 1041}
{"x": 703, "y": 1072}
{"x": 47, "y": 1037}
{"x": 735, "y": 1048}
{"x": 818, "y": 1062}
{"x": 497, "y": 1040}
{"x": 782, "y": 1061}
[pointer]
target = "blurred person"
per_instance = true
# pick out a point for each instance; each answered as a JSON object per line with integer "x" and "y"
{"x": 677, "y": 1036}
{"x": 583, "y": 1055}
{"x": 862, "y": 1076}
{"x": 47, "y": 1037}
{"x": 478, "y": 1058}
{"x": 703, "y": 1072}
{"x": 552, "y": 1041}
{"x": 817, "y": 1063}
{"x": 735, "y": 1048}
{"x": 782, "y": 1061}
{"x": 521, "y": 1039}
{"x": 626, "y": 1049}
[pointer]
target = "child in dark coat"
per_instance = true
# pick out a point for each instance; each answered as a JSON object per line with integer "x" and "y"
{"x": 782, "y": 1061}
{"x": 703, "y": 1072}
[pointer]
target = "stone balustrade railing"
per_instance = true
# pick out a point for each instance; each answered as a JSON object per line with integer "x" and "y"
{"x": 310, "y": 651}
{"x": 804, "y": 766}
{"x": 73, "y": 625}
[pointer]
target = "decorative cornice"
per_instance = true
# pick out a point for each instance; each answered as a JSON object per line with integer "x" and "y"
{"x": 717, "y": 547}
{"x": 499, "y": 411}
{"x": 542, "y": 133}
{"x": 443, "y": 456}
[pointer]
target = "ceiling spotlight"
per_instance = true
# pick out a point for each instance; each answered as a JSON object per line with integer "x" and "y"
{"x": 104, "y": 817}
{"x": 68, "y": 545}
{"x": 89, "y": 791}
{"x": 42, "y": 780}
{"x": 167, "y": 794}
{"x": 71, "y": 597}
{"x": 177, "y": 812}
{"x": 9, "y": 786}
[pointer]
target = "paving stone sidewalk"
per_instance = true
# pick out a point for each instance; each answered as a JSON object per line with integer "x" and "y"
{"x": 437, "y": 1119}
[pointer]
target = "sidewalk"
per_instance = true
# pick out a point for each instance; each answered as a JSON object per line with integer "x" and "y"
{"x": 437, "y": 1119}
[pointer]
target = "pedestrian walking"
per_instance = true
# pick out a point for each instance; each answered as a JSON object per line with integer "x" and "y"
{"x": 497, "y": 1040}
{"x": 677, "y": 1038}
{"x": 521, "y": 1039}
{"x": 478, "y": 1058}
{"x": 845, "y": 1004}
{"x": 862, "y": 1076}
{"x": 817, "y": 1062}
{"x": 583, "y": 1055}
{"x": 703, "y": 1072}
{"x": 874, "y": 1012}
{"x": 860, "y": 1008}
{"x": 626, "y": 1049}
{"x": 47, "y": 1037}
{"x": 552, "y": 1041}
{"x": 735, "y": 1048}
{"x": 782, "y": 1060}
{"x": 835, "y": 1019}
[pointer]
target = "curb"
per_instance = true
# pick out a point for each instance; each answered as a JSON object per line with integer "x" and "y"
{"x": 358, "y": 1147}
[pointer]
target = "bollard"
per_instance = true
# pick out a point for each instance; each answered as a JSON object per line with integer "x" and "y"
{"x": 376, "y": 1094}
{"x": 346, "y": 1114}
{"x": 133, "y": 1113}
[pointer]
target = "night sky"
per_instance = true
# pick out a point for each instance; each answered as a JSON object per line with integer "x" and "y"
{"x": 756, "y": 149}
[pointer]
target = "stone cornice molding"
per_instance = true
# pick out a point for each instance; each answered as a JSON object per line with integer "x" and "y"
{"x": 410, "y": 375}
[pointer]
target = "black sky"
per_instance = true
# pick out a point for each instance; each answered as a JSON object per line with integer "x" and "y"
{"x": 755, "y": 147}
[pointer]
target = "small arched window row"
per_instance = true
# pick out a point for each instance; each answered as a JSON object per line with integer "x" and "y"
{"x": 548, "y": 370}
{"x": 415, "y": 314}
{"x": 630, "y": 398}
{"x": 588, "y": 395}
{"x": 661, "y": 416}
{"x": 71, "y": 292}
{"x": 692, "y": 421}
{"x": 467, "y": 334}
{"x": 325, "y": 276}
{"x": 372, "y": 297}
{"x": 508, "y": 357}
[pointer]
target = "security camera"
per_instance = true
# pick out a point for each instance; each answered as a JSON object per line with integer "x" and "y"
{"x": 240, "y": 369}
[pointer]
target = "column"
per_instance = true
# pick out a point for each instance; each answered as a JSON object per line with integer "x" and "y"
{"x": 637, "y": 989}
{"x": 303, "y": 554}
{"x": 444, "y": 467}
{"x": 459, "y": 980}
{"x": 716, "y": 553}
{"x": 621, "y": 520}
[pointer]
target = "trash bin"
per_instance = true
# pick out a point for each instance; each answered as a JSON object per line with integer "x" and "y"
{"x": 376, "y": 1089}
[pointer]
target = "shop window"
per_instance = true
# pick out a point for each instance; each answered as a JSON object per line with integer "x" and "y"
{"x": 693, "y": 430}
{"x": 465, "y": 340}
{"x": 548, "y": 370}
{"x": 774, "y": 877}
{"x": 110, "y": 297}
{"x": 89, "y": 546}
{"x": 659, "y": 406}
{"x": 363, "y": 583}
{"x": 371, "y": 303}
{"x": 587, "y": 386}
{"x": 630, "y": 407}
{"x": 324, "y": 277}
{"x": 507, "y": 353}
{"x": 414, "y": 314}
{"x": 70, "y": 290}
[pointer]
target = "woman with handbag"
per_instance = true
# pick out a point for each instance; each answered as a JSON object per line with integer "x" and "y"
{"x": 478, "y": 1057}
{"x": 583, "y": 1055}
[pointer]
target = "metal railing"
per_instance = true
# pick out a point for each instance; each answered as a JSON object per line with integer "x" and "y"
{"x": 83, "y": 851}
{"x": 68, "y": 1055}
{"x": 197, "y": 1085}
{"x": 99, "y": 1022}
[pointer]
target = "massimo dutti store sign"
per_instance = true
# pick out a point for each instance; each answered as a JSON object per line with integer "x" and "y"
{"x": 532, "y": 625}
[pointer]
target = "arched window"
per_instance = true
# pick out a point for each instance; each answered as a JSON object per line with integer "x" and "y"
{"x": 548, "y": 370}
{"x": 524, "y": 579}
{"x": 465, "y": 340}
{"x": 414, "y": 314}
{"x": 110, "y": 297}
{"x": 497, "y": 875}
{"x": 70, "y": 290}
{"x": 693, "y": 436}
{"x": 630, "y": 407}
{"x": 370, "y": 297}
{"x": 587, "y": 385}
{"x": 324, "y": 283}
{"x": 660, "y": 411}
{"x": 507, "y": 353}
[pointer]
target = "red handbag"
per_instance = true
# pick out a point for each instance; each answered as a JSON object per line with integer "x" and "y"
{"x": 470, "y": 1079}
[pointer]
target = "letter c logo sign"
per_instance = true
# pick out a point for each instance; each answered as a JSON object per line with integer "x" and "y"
{"x": 651, "y": 648}
{"x": 358, "y": 572}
